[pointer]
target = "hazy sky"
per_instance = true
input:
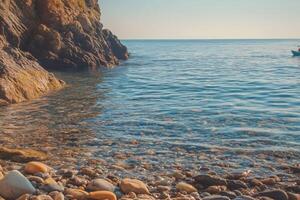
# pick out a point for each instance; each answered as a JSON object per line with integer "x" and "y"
{"x": 159, "y": 19}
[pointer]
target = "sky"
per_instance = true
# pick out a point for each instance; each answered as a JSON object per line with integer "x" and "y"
{"x": 202, "y": 19}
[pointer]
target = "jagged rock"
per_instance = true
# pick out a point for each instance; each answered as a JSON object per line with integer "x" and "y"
{"x": 60, "y": 34}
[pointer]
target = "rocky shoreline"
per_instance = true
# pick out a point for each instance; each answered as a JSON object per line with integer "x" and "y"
{"x": 37, "y": 35}
{"x": 30, "y": 174}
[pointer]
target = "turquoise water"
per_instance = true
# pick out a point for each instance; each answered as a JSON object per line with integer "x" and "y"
{"x": 233, "y": 100}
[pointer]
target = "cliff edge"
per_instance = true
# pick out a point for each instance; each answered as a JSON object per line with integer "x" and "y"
{"x": 50, "y": 34}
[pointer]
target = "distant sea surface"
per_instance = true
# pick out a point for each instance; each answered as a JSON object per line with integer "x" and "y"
{"x": 190, "y": 102}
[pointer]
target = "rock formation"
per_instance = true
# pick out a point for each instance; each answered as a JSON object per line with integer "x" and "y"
{"x": 50, "y": 34}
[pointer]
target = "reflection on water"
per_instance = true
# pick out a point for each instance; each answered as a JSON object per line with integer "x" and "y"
{"x": 55, "y": 122}
{"x": 174, "y": 103}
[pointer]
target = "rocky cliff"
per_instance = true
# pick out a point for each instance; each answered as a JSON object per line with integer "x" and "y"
{"x": 50, "y": 34}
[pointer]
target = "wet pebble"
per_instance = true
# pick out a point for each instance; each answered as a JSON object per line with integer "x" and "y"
{"x": 100, "y": 185}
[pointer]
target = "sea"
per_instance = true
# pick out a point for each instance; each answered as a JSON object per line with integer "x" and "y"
{"x": 219, "y": 104}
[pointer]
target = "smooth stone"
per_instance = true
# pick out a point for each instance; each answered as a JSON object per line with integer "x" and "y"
{"x": 185, "y": 187}
{"x": 24, "y": 197}
{"x": 51, "y": 185}
{"x": 236, "y": 184}
{"x": 239, "y": 174}
{"x": 36, "y": 167}
{"x": 1, "y": 175}
{"x": 36, "y": 179}
{"x": 229, "y": 194}
{"x": 77, "y": 181}
{"x": 178, "y": 175}
{"x": 102, "y": 195}
{"x": 293, "y": 196}
{"x": 244, "y": 197}
{"x": 77, "y": 194}
{"x": 21, "y": 155}
{"x": 162, "y": 188}
{"x": 216, "y": 197}
{"x": 274, "y": 194}
{"x": 133, "y": 185}
{"x": 14, "y": 184}
{"x": 209, "y": 180}
{"x": 100, "y": 185}
{"x": 88, "y": 171}
{"x": 41, "y": 197}
{"x": 57, "y": 195}
{"x": 214, "y": 189}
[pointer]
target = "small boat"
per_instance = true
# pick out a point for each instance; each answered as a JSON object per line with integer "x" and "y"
{"x": 296, "y": 53}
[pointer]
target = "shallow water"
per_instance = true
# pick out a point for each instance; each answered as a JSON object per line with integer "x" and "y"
{"x": 187, "y": 103}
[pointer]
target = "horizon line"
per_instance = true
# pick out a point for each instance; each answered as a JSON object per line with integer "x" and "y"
{"x": 209, "y": 38}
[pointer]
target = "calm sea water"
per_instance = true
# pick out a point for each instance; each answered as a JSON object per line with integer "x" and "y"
{"x": 191, "y": 102}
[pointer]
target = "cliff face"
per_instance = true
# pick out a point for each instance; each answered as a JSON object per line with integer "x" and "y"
{"x": 60, "y": 34}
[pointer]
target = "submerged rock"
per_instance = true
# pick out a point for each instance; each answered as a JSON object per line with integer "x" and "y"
{"x": 21, "y": 155}
{"x": 14, "y": 184}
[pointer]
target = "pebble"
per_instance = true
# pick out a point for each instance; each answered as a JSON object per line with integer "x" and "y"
{"x": 88, "y": 171}
{"x": 77, "y": 181}
{"x": 133, "y": 185}
{"x": 36, "y": 167}
{"x": 178, "y": 175}
{"x": 24, "y": 197}
{"x": 162, "y": 188}
{"x": 57, "y": 195}
{"x": 216, "y": 197}
{"x": 14, "y": 184}
{"x": 269, "y": 181}
{"x": 293, "y": 196}
{"x": 100, "y": 185}
{"x": 229, "y": 194}
{"x": 236, "y": 184}
{"x": 185, "y": 187}
{"x": 274, "y": 194}
{"x": 41, "y": 197}
{"x": 51, "y": 185}
{"x": 209, "y": 180}
{"x": 76, "y": 194}
{"x": 36, "y": 179}
{"x": 215, "y": 189}
{"x": 102, "y": 195}
{"x": 244, "y": 197}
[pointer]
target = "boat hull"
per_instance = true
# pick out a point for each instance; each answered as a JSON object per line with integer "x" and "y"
{"x": 296, "y": 53}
